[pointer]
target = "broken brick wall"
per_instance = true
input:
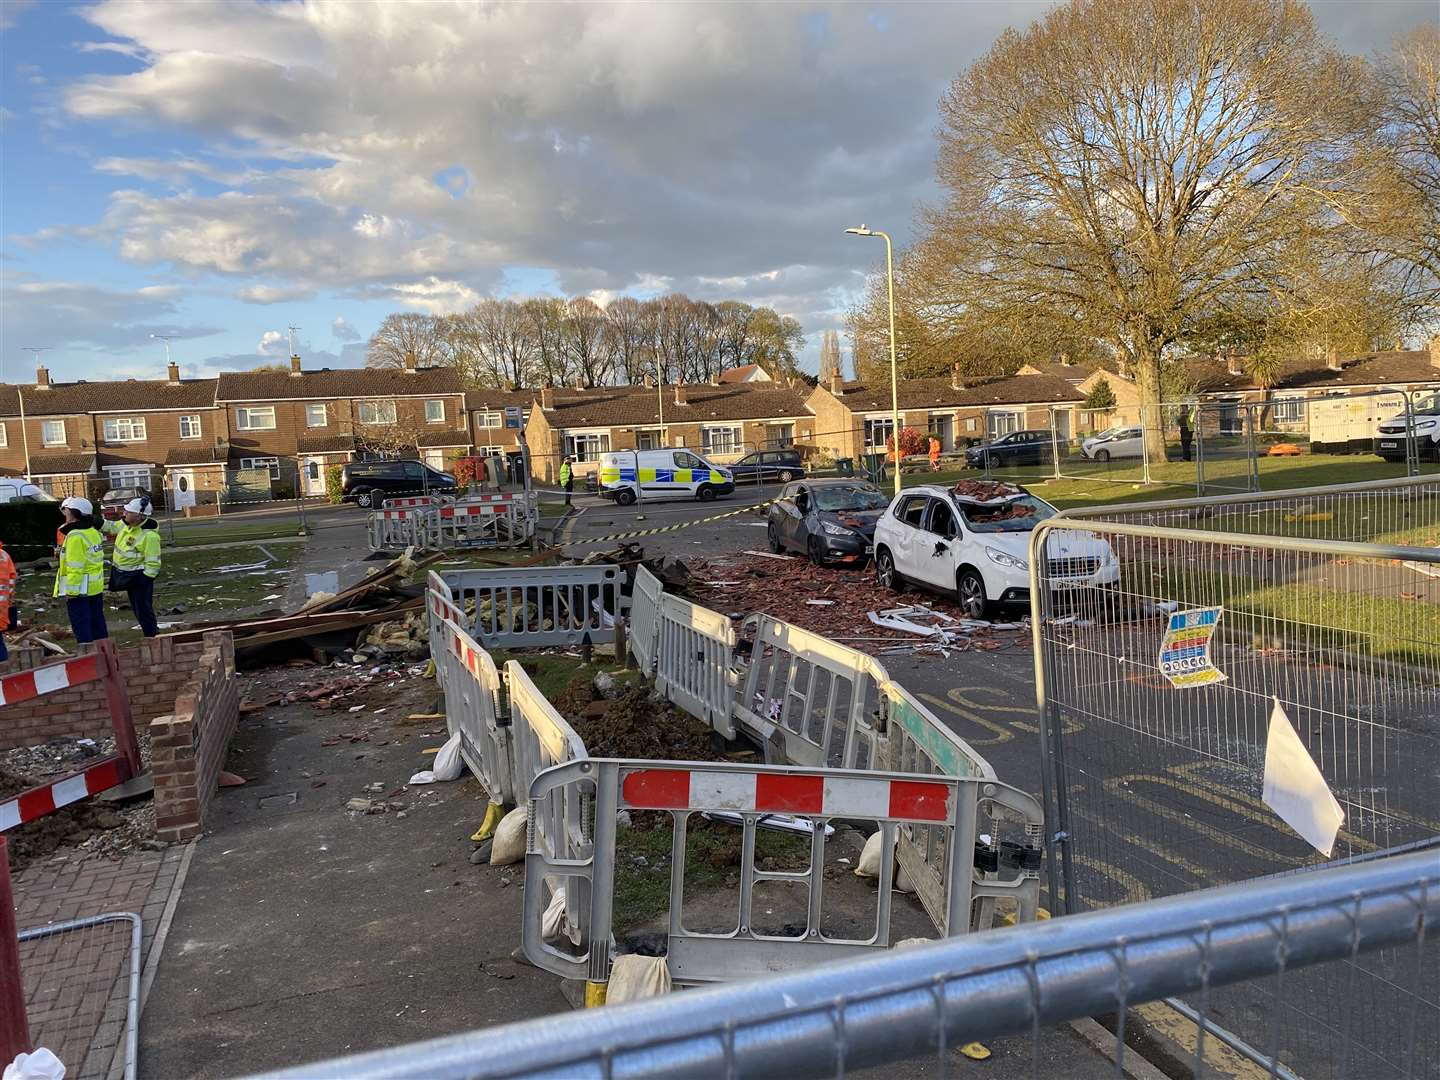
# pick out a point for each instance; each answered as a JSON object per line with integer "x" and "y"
{"x": 188, "y": 747}
{"x": 155, "y": 671}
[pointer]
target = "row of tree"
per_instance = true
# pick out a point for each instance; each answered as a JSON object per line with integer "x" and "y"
{"x": 577, "y": 342}
{"x": 1147, "y": 179}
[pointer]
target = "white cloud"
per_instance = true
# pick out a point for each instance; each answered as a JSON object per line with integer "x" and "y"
{"x": 273, "y": 294}
{"x": 75, "y": 315}
{"x": 343, "y": 331}
{"x": 272, "y": 343}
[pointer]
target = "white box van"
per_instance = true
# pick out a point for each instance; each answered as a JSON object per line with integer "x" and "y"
{"x": 661, "y": 474}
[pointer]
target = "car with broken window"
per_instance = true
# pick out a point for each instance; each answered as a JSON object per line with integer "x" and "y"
{"x": 831, "y": 520}
{"x": 972, "y": 541}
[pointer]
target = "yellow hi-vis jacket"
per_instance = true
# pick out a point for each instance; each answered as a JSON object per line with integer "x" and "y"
{"x": 136, "y": 547}
{"x": 82, "y": 564}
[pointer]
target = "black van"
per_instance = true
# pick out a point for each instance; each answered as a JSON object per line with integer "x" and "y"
{"x": 369, "y": 483}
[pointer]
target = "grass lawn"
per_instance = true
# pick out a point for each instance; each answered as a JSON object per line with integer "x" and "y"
{"x": 198, "y": 531}
{"x": 552, "y": 673}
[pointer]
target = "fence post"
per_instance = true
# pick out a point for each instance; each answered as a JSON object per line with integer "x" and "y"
{"x": 126, "y": 743}
{"x": 14, "y": 1029}
{"x": 1055, "y": 446}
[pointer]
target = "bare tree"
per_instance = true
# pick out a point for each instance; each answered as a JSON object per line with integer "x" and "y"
{"x": 628, "y": 338}
{"x": 734, "y": 340}
{"x": 1135, "y": 165}
{"x": 545, "y": 325}
{"x": 585, "y": 344}
{"x": 408, "y": 334}
{"x": 778, "y": 341}
{"x": 829, "y": 356}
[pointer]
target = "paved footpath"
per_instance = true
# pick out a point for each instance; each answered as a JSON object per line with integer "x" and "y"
{"x": 76, "y": 982}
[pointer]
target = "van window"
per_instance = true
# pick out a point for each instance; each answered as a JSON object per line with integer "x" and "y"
{"x": 688, "y": 461}
{"x": 912, "y": 509}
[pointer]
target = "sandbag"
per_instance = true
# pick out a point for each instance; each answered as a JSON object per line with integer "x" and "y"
{"x": 554, "y": 924}
{"x": 41, "y": 1065}
{"x": 869, "y": 864}
{"x": 634, "y": 978}
{"x": 448, "y": 765}
{"x": 509, "y": 843}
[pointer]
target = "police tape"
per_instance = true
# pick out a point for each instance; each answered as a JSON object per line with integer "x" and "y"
{"x": 666, "y": 528}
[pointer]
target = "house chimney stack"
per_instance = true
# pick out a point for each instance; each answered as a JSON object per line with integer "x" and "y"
{"x": 680, "y": 394}
{"x": 1435, "y": 351}
{"x": 295, "y": 364}
{"x": 547, "y": 397}
{"x": 42, "y": 376}
{"x": 957, "y": 381}
{"x": 1232, "y": 361}
{"x": 1332, "y": 358}
{"x": 410, "y": 364}
{"x": 1064, "y": 359}
{"x": 172, "y": 371}
{"x": 837, "y": 384}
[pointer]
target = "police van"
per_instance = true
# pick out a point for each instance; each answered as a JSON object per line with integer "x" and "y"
{"x": 661, "y": 474}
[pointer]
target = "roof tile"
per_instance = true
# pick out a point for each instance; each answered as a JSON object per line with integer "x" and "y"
{"x": 611, "y": 406}
{"x": 125, "y": 395}
{"x": 336, "y": 383}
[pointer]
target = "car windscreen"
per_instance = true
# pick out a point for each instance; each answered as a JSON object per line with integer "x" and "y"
{"x": 1426, "y": 406}
{"x": 849, "y": 497}
{"x": 1013, "y": 515}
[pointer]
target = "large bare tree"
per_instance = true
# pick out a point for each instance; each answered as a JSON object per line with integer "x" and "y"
{"x": 1137, "y": 165}
{"x": 545, "y": 325}
{"x": 408, "y": 334}
{"x": 829, "y": 356}
{"x": 588, "y": 355}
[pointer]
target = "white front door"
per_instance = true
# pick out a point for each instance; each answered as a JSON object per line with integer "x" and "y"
{"x": 435, "y": 459}
{"x": 312, "y": 475}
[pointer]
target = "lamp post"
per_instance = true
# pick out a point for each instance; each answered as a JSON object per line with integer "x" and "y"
{"x": 865, "y": 230}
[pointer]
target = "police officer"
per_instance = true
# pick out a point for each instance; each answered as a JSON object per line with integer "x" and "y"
{"x": 80, "y": 578}
{"x": 567, "y": 478}
{"x": 136, "y": 560}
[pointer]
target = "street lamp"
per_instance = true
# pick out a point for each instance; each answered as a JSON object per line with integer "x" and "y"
{"x": 865, "y": 230}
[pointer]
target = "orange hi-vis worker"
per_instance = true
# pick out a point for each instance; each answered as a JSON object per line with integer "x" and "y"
{"x": 8, "y": 578}
{"x": 934, "y": 454}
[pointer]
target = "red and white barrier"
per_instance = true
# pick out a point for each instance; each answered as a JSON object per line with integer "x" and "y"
{"x": 786, "y": 792}
{"x": 49, "y": 797}
{"x": 24, "y": 685}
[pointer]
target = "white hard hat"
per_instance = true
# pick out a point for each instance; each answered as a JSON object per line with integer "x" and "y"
{"x": 79, "y": 505}
{"x": 138, "y": 506}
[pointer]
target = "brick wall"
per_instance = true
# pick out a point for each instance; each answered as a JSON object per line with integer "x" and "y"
{"x": 188, "y": 746}
{"x": 156, "y": 670}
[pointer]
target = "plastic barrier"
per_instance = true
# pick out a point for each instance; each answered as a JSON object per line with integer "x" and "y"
{"x": 439, "y": 607}
{"x": 683, "y": 789}
{"x": 438, "y": 523}
{"x": 100, "y": 775}
{"x": 817, "y": 699}
{"x": 395, "y": 530}
{"x": 692, "y": 667}
{"x": 490, "y": 524}
{"x": 472, "y": 708}
{"x": 644, "y": 628}
{"x": 538, "y": 605}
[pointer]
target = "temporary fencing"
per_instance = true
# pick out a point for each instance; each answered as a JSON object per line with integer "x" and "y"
{"x": 692, "y": 661}
{"x": 100, "y": 666}
{"x": 878, "y": 1010}
{"x": 534, "y": 606}
{"x": 473, "y": 708}
{"x": 1242, "y": 705}
{"x": 443, "y": 524}
{"x": 643, "y": 632}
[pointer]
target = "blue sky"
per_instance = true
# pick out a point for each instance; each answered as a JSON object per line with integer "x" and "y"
{"x": 216, "y": 173}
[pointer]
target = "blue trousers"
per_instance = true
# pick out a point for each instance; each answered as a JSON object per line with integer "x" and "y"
{"x": 141, "y": 590}
{"x": 87, "y": 617}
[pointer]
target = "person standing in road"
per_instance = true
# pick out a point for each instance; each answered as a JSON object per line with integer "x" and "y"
{"x": 136, "y": 560}
{"x": 567, "y": 478}
{"x": 7, "y": 596}
{"x": 80, "y": 578}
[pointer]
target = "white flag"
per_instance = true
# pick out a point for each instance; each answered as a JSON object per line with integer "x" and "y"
{"x": 1295, "y": 789}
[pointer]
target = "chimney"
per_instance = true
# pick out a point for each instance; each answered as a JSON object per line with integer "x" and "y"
{"x": 294, "y": 365}
{"x": 837, "y": 384}
{"x": 1332, "y": 359}
{"x": 1232, "y": 361}
{"x": 547, "y": 397}
{"x": 410, "y": 364}
{"x": 172, "y": 371}
{"x": 1435, "y": 351}
{"x": 957, "y": 380}
{"x": 42, "y": 377}
{"x": 1064, "y": 359}
{"x": 680, "y": 395}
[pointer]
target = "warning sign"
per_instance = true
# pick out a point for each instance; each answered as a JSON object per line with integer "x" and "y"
{"x": 1185, "y": 649}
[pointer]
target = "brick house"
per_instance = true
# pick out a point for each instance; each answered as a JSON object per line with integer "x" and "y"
{"x": 852, "y": 418}
{"x": 724, "y": 422}
{"x": 497, "y": 419}
{"x": 304, "y": 421}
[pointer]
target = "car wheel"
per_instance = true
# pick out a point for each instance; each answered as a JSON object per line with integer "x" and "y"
{"x": 1102, "y": 455}
{"x": 970, "y": 594}
{"x": 706, "y": 493}
{"x": 626, "y": 497}
{"x": 816, "y": 552}
{"x": 774, "y": 537}
{"x": 786, "y": 476}
{"x": 886, "y": 576}
{"x": 364, "y": 499}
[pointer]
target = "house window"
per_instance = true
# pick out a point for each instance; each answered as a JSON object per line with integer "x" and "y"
{"x": 782, "y": 436}
{"x": 970, "y": 423}
{"x": 190, "y": 427}
{"x": 489, "y": 451}
{"x": 52, "y": 433}
{"x": 483, "y": 419}
{"x": 129, "y": 478}
{"x": 1001, "y": 423}
{"x": 273, "y": 464}
{"x": 720, "y": 440}
{"x": 376, "y": 412}
{"x": 4, "y": 439}
{"x": 125, "y": 429}
{"x": 647, "y": 440}
{"x": 255, "y": 418}
{"x": 587, "y": 447}
{"x": 878, "y": 432}
{"x": 317, "y": 415}
{"x": 1290, "y": 410}
{"x": 435, "y": 411}
{"x": 678, "y": 440}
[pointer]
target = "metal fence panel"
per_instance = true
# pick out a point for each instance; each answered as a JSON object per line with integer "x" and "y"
{"x": 538, "y": 605}
{"x": 1156, "y": 781}
{"x": 644, "y": 629}
{"x": 692, "y": 667}
{"x": 472, "y": 708}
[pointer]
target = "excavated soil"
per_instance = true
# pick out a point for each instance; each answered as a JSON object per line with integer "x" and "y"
{"x": 635, "y": 724}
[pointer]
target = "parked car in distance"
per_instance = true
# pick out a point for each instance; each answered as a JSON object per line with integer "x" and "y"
{"x": 830, "y": 520}
{"x": 18, "y": 489}
{"x": 978, "y": 552}
{"x": 1424, "y": 424}
{"x": 768, "y": 467}
{"x": 112, "y": 503}
{"x": 369, "y": 483}
{"x": 1018, "y": 448}
{"x": 1117, "y": 442}
{"x": 628, "y": 475}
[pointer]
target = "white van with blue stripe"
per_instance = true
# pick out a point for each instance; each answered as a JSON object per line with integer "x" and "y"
{"x": 626, "y": 475}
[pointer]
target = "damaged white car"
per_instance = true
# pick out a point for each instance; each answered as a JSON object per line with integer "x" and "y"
{"x": 972, "y": 541}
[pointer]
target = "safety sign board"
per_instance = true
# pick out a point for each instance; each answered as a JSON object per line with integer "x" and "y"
{"x": 512, "y": 416}
{"x": 1185, "y": 649}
